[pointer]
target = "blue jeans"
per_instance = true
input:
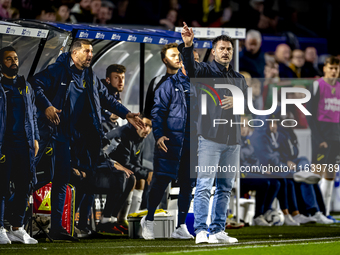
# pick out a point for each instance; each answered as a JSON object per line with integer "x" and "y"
{"x": 214, "y": 154}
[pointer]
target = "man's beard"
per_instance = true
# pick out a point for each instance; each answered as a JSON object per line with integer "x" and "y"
{"x": 9, "y": 70}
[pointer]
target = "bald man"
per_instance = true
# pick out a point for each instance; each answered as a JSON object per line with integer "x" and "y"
{"x": 251, "y": 57}
{"x": 282, "y": 56}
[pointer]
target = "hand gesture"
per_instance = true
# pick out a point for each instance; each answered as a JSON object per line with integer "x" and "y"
{"x": 323, "y": 145}
{"x": 36, "y": 148}
{"x": 148, "y": 180}
{"x": 291, "y": 165}
{"x": 227, "y": 102}
{"x": 161, "y": 144}
{"x": 52, "y": 115}
{"x": 135, "y": 120}
{"x": 187, "y": 35}
{"x": 119, "y": 167}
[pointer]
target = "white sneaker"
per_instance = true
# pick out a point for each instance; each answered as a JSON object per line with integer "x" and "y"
{"x": 321, "y": 219}
{"x": 302, "y": 219}
{"x": 260, "y": 221}
{"x": 182, "y": 233}
{"x": 289, "y": 221}
{"x": 202, "y": 237}
{"x": 147, "y": 229}
{"x": 3, "y": 236}
{"x": 307, "y": 177}
{"x": 221, "y": 237}
{"x": 20, "y": 235}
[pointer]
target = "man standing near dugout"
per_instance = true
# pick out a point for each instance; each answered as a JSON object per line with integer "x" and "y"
{"x": 218, "y": 146}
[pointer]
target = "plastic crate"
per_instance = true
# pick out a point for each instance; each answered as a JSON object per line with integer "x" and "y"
{"x": 163, "y": 228}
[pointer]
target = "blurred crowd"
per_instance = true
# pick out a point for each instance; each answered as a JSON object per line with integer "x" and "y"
{"x": 267, "y": 16}
{"x": 286, "y": 66}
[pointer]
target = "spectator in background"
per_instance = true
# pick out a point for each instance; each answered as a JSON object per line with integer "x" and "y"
{"x": 170, "y": 20}
{"x": 297, "y": 62}
{"x": 282, "y": 56}
{"x": 14, "y": 13}
{"x": 47, "y": 13}
{"x": 63, "y": 13}
{"x": 257, "y": 95}
{"x": 82, "y": 12}
{"x": 297, "y": 65}
{"x": 105, "y": 13}
{"x": 271, "y": 69}
{"x": 251, "y": 57}
{"x": 247, "y": 77}
{"x": 5, "y": 6}
{"x": 311, "y": 61}
{"x": 95, "y": 6}
{"x": 119, "y": 13}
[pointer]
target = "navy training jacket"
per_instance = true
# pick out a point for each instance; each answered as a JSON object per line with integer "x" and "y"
{"x": 169, "y": 116}
{"x": 211, "y": 70}
{"x": 51, "y": 88}
{"x": 31, "y": 126}
{"x": 268, "y": 151}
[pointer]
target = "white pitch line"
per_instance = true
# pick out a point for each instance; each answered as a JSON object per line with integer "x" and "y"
{"x": 89, "y": 246}
{"x": 240, "y": 247}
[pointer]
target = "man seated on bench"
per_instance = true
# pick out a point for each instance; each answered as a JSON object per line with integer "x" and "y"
{"x": 107, "y": 177}
{"x": 266, "y": 188}
{"x": 129, "y": 154}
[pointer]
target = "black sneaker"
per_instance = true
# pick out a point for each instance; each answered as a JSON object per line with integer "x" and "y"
{"x": 62, "y": 235}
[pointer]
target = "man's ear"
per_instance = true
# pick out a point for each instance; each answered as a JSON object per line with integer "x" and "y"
{"x": 213, "y": 51}
{"x": 164, "y": 61}
{"x": 107, "y": 79}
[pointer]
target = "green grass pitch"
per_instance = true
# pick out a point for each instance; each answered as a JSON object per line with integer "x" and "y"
{"x": 310, "y": 239}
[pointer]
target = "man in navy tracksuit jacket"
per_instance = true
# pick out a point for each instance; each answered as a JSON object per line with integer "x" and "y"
{"x": 18, "y": 144}
{"x": 70, "y": 97}
{"x": 171, "y": 129}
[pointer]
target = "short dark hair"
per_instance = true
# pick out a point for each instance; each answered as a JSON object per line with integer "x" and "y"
{"x": 3, "y": 50}
{"x": 166, "y": 47}
{"x": 78, "y": 43}
{"x": 332, "y": 60}
{"x": 115, "y": 68}
{"x": 222, "y": 38}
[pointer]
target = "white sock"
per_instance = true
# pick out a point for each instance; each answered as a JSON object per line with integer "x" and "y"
{"x": 113, "y": 219}
{"x": 105, "y": 220}
{"x": 326, "y": 188}
{"x": 136, "y": 200}
{"x": 123, "y": 213}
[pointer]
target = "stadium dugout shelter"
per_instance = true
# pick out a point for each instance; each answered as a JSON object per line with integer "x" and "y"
{"x": 38, "y": 45}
